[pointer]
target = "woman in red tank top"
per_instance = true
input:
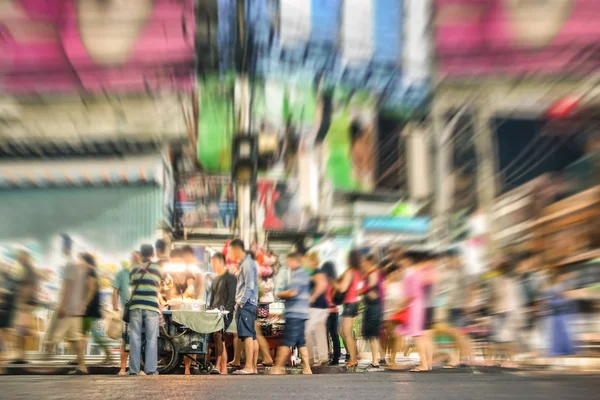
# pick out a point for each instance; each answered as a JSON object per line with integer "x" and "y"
{"x": 348, "y": 283}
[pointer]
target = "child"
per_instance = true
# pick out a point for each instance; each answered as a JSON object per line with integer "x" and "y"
{"x": 296, "y": 313}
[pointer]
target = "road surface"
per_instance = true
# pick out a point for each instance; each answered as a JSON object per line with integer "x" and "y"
{"x": 443, "y": 385}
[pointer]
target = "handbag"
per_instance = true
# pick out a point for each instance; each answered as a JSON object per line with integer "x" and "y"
{"x": 401, "y": 317}
{"x": 128, "y": 304}
{"x": 113, "y": 326}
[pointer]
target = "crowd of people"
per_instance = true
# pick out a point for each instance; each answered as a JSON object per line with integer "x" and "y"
{"x": 405, "y": 301}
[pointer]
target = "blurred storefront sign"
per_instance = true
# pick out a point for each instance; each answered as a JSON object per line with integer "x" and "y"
{"x": 204, "y": 201}
{"x": 569, "y": 229}
{"x": 514, "y": 214}
{"x": 148, "y": 170}
{"x": 415, "y": 225}
{"x": 491, "y": 38}
{"x": 71, "y": 121}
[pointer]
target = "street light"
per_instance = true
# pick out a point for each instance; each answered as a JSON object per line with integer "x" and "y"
{"x": 244, "y": 158}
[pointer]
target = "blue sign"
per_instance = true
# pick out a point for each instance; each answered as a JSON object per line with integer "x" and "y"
{"x": 419, "y": 225}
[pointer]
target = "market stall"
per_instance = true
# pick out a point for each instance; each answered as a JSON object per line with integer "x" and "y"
{"x": 569, "y": 234}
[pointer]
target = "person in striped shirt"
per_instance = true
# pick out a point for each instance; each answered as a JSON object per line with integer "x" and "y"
{"x": 146, "y": 281}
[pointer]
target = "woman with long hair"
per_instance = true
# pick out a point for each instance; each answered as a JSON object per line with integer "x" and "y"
{"x": 348, "y": 284}
{"x": 414, "y": 302}
{"x": 372, "y": 292}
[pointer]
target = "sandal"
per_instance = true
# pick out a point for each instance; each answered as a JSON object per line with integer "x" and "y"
{"x": 419, "y": 370}
{"x": 242, "y": 372}
{"x": 351, "y": 364}
{"x": 230, "y": 365}
{"x": 449, "y": 366}
{"x": 77, "y": 371}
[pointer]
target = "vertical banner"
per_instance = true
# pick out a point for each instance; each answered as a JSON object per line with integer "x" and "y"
{"x": 216, "y": 122}
{"x": 351, "y": 142}
{"x": 358, "y": 45}
{"x": 295, "y": 22}
{"x": 417, "y": 43}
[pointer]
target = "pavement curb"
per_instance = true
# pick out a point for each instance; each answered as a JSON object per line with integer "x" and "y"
{"x": 568, "y": 363}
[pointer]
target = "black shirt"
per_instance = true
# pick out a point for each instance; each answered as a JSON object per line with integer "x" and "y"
{"x": 321, "y": 301}
{"x": 223, "y": 292}
{"x": 93, "y": 309}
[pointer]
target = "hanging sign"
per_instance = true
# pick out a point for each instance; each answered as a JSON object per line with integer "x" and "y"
{"x": 420, "y": 225}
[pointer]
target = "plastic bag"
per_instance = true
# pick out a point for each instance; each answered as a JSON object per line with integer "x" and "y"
{"x": 113, "y": 325}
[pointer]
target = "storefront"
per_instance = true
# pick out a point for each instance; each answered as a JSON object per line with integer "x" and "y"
{"x": 109, "y": 207}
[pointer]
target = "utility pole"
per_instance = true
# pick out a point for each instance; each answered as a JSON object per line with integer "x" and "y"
{"x": 244, "y": 189}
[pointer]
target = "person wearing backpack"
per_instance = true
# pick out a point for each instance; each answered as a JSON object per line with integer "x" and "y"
{"x": 93, "y": 312}
{"x": 144, "y": 310}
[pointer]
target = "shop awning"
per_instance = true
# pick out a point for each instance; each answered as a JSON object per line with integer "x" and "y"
{"x": 83, "y": 172}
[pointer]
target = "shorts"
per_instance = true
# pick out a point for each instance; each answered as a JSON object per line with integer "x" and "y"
{"x": 372, "y": 316}
{"x": 69, "y": 329}
{"x": 262, "y": 311}
{"x": 245, "y": 318}
{"x": 429, "y": 318}
{"x": 293, "y": 333}
{"x": 87, "y": 325}
{"x": 350, "y": 310}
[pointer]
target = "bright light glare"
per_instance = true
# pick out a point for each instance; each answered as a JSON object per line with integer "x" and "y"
{"x": 174, "y": 267}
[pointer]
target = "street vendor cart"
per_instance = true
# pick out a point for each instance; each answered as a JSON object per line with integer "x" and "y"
{"x": 186, "y": 333}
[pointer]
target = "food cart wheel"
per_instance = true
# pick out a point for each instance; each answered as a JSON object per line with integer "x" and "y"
{"x": 169, "y": 358}
{"x": 205, "y": 368}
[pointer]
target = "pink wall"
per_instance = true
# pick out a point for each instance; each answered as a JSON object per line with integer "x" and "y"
{"x": 508, "y": 37}
{"x": 44, "y": 47}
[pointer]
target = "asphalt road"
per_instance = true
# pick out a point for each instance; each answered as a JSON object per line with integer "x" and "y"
{"x": 377, "y": 385}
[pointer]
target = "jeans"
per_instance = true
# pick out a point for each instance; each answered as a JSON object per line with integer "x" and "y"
{"x": 332, "y": 331}
{"x": 150, "y": 320}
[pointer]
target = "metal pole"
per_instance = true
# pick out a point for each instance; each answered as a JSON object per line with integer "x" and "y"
{"x": 244, "y": 189}
{"x": 486, "y": 179}
{"x": 443, "y": 196}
